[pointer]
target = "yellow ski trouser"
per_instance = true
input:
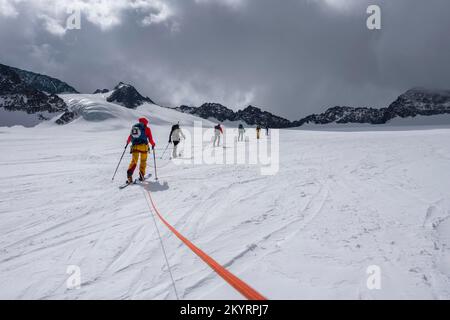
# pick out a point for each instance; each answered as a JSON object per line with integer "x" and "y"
{"x": 136, "y": 151}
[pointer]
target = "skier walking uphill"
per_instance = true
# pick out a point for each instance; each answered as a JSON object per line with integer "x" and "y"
{"x": 241, "y": 132}
{"x": 175, "y": 136}
{"x": 217, "y": 132}
{"x": 258, "y": 132}
{"x": 140, "y": 137}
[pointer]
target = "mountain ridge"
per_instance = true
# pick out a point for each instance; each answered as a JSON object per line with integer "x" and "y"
{"x": 42, "y": 82}
{"x": 126, "y": 95}
{"x": 16, "y": 95}
{"x": 251, "y": 115}
{"x": 34, "y": 93}
{"x": 412, "y": 103}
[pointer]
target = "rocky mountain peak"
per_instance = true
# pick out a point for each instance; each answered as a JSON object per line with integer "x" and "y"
{"x": 101, "y": 91}
{"x": 41, "y": 82}
{"x": 127, "y": 96}
{"x": 18, "y": 95}
{"x": 420, "y": 101}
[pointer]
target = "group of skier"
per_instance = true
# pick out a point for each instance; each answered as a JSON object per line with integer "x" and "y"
{"x": 141, "y": 139}
{"x": 218, "y": 131}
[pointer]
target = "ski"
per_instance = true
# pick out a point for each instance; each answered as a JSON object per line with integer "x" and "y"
{"x": 136, "y": 181}
{"x": 125, "y": 185}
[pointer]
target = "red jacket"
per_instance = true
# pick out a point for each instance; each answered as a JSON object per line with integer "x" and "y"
{"x": 148, "y": 132}
{"x": 219, "y": 127}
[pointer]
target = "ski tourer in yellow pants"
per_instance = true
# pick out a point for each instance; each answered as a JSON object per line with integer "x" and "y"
{"x": 140, "y": 137}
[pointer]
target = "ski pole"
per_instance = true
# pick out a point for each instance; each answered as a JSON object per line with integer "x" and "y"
{"x": 165, "y": 151}
{"x": 154, "y": 161}
{"x": 120, "y": 162}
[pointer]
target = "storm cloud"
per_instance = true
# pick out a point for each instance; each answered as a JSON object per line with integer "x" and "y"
{"x": 291, "y": 57}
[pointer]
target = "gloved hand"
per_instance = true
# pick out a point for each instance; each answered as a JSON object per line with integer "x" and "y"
{"x": 153, "y": 147}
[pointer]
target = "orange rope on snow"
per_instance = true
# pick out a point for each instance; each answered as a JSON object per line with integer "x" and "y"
{"x": 243, "y": 288}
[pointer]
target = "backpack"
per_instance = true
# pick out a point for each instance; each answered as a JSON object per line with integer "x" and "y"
{"x": 138, "y": 135}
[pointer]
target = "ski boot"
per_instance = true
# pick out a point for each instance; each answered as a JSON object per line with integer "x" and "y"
{"x": 129, "y": 180}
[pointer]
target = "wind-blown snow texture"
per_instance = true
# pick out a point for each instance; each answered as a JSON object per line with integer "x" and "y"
{"x": 342, "y": 201}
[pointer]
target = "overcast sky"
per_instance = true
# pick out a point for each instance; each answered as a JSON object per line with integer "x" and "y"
{"x": 290, "y": 57}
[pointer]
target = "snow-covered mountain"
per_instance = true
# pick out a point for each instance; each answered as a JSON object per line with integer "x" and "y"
{"x": 28, "y": 98}
{"x": 94, "y": 108}
{"x": 421, "y": 102}
{"x": 254, "y": 116}
{"x": 127, "y": 96}
{"x": 345, "y": 115}
{"x": 42, "y": 82}
{"x": 250, "y": 115}
{"x": 23, "y": 103}
{"x": 415, "y": 102}
{"x": 214, "y": 111}
{"x": 104, "y": 104}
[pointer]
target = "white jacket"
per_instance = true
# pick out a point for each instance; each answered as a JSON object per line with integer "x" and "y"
{"x": 177, "y": 134}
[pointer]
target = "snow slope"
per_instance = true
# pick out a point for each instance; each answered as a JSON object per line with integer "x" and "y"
{"x": 94, "y": 108}
{"x": 341, "y": 202}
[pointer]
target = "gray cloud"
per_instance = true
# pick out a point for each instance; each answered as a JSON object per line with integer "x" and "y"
{"x": 292, "y": 57}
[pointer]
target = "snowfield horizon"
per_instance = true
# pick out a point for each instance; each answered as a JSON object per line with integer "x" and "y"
{"x": 351, "y": 213}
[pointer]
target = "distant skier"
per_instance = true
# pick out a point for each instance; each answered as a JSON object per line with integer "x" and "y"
{"x": 175, "y": 137}
{"x": 140, "y": 137}
{"x": 218, "y": 131}
{"x": 241, "y": 132}
{"x": 258, "y": 131}
{"x": 267, "y": 130}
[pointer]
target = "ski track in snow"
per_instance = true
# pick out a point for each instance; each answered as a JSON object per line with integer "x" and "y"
{"x": 342, "y": 201}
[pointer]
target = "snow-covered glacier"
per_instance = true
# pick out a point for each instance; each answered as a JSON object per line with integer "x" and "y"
{"x": 342, "y": 202}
